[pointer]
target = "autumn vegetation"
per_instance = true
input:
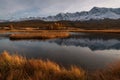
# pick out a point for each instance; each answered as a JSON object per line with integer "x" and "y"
{"x": 111, "y": 72}
{"x": 40, "y": 35}
{"x": 15, "y": 67}
{"x": 64, "y": 25}
{"x": 96, "y": 26}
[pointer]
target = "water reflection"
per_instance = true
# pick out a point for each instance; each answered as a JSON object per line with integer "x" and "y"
{"x": 92, "y": 41}
{"x": 85, "y": 50}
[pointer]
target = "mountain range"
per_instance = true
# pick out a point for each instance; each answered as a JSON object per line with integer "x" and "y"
{"x": 96, "y": 13}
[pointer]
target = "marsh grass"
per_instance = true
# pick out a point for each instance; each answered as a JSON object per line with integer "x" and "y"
{"x": 15, "y": 67}
{"x": 41, "y": 35}
{"x": 111, "y": 72}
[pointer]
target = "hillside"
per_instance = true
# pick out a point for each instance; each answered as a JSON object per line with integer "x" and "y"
{"x": 55, "y": 25}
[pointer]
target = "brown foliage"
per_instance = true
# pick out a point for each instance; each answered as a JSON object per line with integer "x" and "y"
{"x": 14, "y": 67}
{"x": 42, "y": 35}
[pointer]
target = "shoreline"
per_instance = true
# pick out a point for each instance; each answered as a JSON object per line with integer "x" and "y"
{"x": 77, "y": 30}
{"x": 48, "y": 34}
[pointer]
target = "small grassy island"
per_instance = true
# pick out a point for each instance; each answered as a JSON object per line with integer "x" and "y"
{"x": 40, "y": 35}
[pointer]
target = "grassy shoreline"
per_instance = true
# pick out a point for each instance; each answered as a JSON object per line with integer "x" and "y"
{"x": 15, "y": 67}
{"x": 76, "y": 30}
{"x": 99, "y": 31}
{"x": 48, "y": 34}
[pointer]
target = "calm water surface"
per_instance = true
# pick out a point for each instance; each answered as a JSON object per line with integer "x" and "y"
{"x": 89, "y": 51}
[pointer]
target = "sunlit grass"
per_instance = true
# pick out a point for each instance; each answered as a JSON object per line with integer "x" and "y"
{"x": 40, "y": 35}
{"x": 14, "y": 67}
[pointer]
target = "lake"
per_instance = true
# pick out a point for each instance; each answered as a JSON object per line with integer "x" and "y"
{"x": 90, "y": 51}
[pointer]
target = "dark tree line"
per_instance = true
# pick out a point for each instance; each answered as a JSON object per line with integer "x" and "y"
{"x": 91, "y": 24}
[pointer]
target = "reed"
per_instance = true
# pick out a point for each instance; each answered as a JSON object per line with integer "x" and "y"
{"x": 15, "y": 67}
{"x": 40, "y": 35}
{"x": 111, "y": 72}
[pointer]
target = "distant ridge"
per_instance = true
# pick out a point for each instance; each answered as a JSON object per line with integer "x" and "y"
{"x": 96, "y": 13}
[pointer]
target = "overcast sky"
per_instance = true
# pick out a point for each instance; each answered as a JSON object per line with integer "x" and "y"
{"x": 26, "y": 8}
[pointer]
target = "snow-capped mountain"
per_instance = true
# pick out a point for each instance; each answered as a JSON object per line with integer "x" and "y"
{"x": 25, "y": 19}
{"x": 30, "y": 18}
{"x": 95, "y": 13}
{"x": 3, "y": 21}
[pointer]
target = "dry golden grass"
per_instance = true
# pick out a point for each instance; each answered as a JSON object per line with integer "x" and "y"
{"x": 40, "y": 35}
{"x": 97, "y": 31}
{"x": 111, "y": 72}
{"x": 14, "y": 67}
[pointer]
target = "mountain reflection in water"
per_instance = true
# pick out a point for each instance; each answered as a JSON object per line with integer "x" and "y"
{"x": 95, "y": 42}
{"x": 89, "y": 51}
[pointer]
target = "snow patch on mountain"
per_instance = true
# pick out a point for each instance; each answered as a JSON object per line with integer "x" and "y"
{"x": 95, "y": 13}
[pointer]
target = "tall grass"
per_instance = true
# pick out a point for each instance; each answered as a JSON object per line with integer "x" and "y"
{"x": 15, "y": 67}
{"x": 111, "y": 72}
